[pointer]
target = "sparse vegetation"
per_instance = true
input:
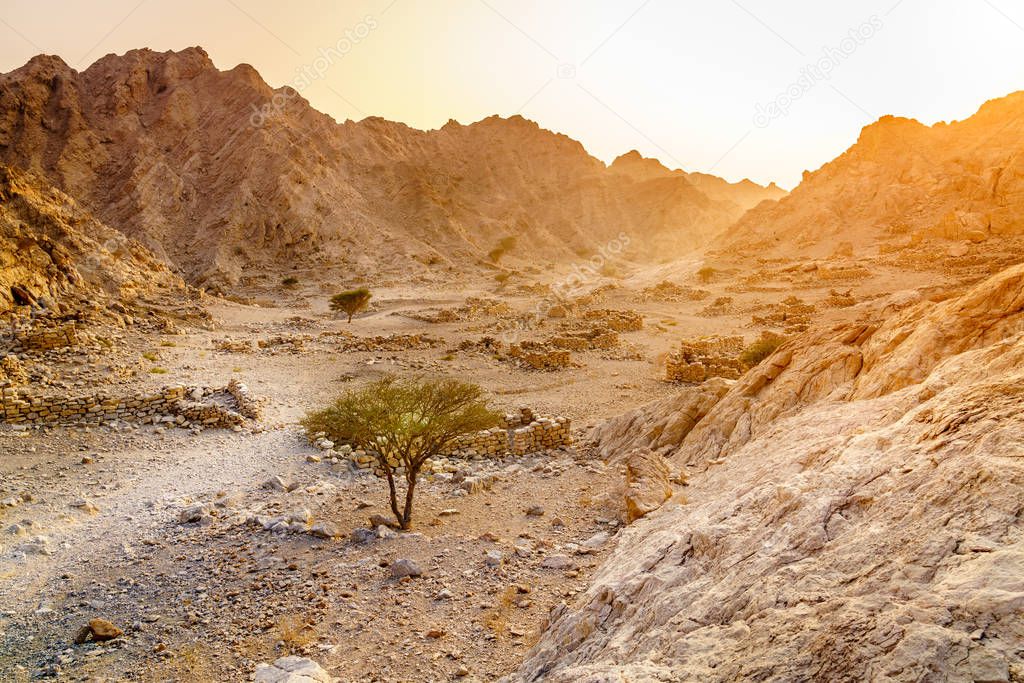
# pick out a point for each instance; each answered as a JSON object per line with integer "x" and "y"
{"x": 295, "y": 632}
{"x": 158, "y": 371}
{"x": 765, "y": 346}
{"x": 706, "y": 274}
{"x": 151, "y": 356}
{"x": 402, "y": 423}
{"x": 290, "y": 281}
{"x": 505, "y": 245}
{"x": 351, "y": 301}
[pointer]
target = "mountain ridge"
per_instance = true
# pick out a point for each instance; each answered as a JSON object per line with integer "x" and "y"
{"x": 217, "y": 172}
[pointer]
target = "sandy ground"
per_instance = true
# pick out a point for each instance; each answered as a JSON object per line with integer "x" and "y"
{"x": 207, "y": 602}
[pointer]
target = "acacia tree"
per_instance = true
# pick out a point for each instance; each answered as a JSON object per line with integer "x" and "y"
{"x": 351, "y": 301}
{"x": 402, "y": 423}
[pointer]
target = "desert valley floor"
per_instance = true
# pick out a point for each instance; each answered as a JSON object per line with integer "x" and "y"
{"x": 98, "y": 521}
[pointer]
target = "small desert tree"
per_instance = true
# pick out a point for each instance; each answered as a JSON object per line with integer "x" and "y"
{"x": 760, "y": 349}
{"x": 402, "y": 423}
{"x": 706, "y": 274}
{"x": 351, "y": 301}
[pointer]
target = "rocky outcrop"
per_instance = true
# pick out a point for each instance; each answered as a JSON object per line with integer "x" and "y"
{"x": 660, "y": 425}
{"x": 647, "y": 484}
{"x": 52, "y": 249}
{"x": 853, "y": 513}
{"x": 216, "y": 171}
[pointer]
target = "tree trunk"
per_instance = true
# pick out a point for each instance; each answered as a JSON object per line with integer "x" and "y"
{"x": 391, "y": 488}
{"x": 349, "y": 318}
{"x": 406, "y": 519}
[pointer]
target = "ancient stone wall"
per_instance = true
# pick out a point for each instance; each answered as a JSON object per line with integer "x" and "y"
{"x": 247, "y": 405}
{"x": 538, "y": 356}
{"x": 176, "y": 405}
{"x": 44, "y": 335}
{"x": 705, "y": 357}
{"x": 620, "y": 321}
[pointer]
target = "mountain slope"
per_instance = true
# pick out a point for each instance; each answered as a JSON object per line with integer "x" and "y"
{"x": 216, "y": 171}
{"x": 53, "y": 251}
{"x": 887, "y": 547}
{"x": 903, "y": 183}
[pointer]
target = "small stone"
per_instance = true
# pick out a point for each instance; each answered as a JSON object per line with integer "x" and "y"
{"x": 444, "y": 594}
{"x": 435, "y": 633}
{"x": 535, "y": 511}
{"x": 85, "y": 505}
{"x": 493, "y": 558}
{"x": 312, "y": 458}
{"x": 462, "y": 671}
{"x": 324, "y": 530}
{"x": 193, "y": 513}
{"x": 380, "y": 520}
{"x": 100, "y": 630}
{"x": 404, "y": 567}
{"x": 361, "y": 535}
{"x": 291, "y": 669}
{"x": 557, "y": 562}
{"x": 279, "y": 483}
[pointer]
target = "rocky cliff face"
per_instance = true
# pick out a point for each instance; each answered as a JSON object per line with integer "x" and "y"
{"x": 52, "y": 250}
{"x": 901, "y": 183}
{"x": 216, "y": 171}
{"x": 854, "y": 512}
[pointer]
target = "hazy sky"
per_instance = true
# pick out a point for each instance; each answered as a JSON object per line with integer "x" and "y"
{"x": 756, "y": 88}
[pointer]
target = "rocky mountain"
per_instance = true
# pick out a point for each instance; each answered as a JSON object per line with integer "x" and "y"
{"x": 903, "y": 183}
{"x": 888, "y": 546}
{"x": 216, "y": 171}
{"x": 53, "y": 251}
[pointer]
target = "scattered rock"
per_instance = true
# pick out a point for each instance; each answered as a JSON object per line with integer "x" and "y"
{"x": 535, "y": 511}
{"x": 291, "y": 669}
{"x": 324, "y": 530}
{"x": 404, "y": 567}
{"x": 99, "y": 630}
{"x": 647, "y": 483}
{"x": 557, "y": 562}
{"x": 279, "y": 483}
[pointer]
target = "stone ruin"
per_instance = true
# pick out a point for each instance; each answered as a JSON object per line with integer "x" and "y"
{"x": 43, "y": 334}
{"x": 620, "y": 321}
{"x": 705, "y": 357}
{"x": 668, "y": 291}
{"x": 585, "y": 340}
{"x": 791, "y": 314}
{"x": 190, "y": 407}
{"x": 520, "y": 433}
{"x": 539, "y": 356}
{"x": 12, "y": 371}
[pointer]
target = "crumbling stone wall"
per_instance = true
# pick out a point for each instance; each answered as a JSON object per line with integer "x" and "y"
{"x": 620, "y": 321}
{"x": 178, "y": 405}
{"x": 586, "y": 340}
{"x": 44, "y": 334}
{"x": 705, "y": 357}
{"x": 12, "y": 371}
{"x": 538, "y": 356}
{"x": 247, "y": 405}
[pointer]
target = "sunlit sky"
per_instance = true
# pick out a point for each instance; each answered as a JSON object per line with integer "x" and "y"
{"x": 679, "y": 80}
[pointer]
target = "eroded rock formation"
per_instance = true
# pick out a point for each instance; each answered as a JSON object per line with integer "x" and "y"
{"x": 854, "y": 514}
